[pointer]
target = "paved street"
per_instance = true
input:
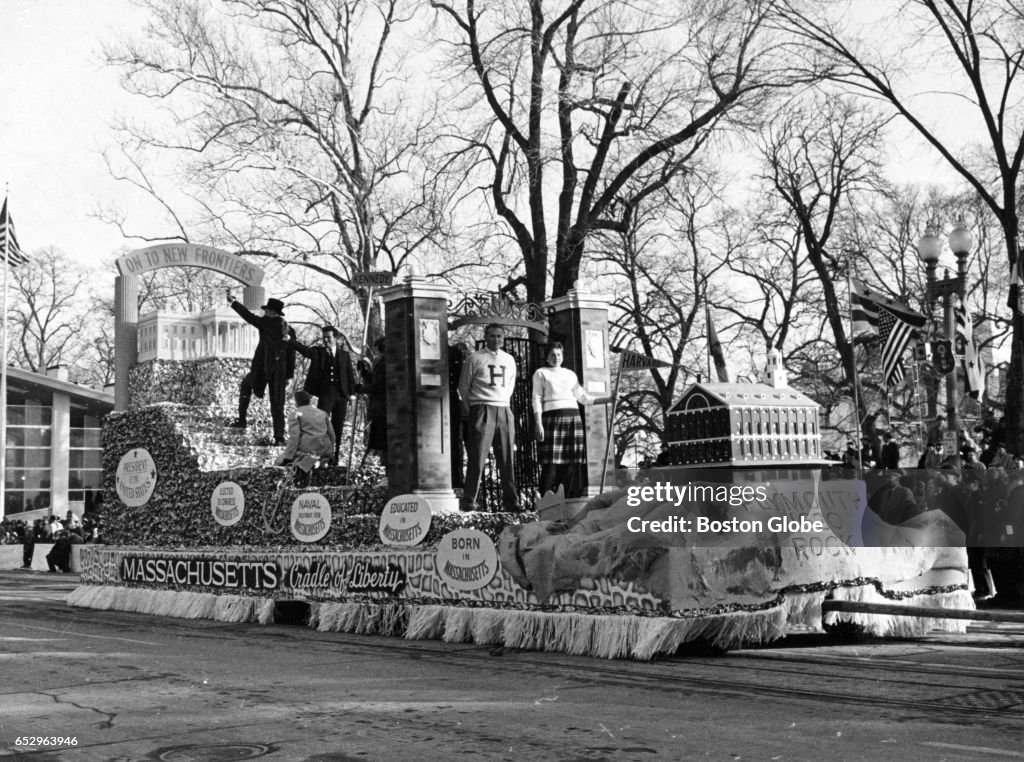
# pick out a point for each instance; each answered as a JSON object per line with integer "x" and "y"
{"x": 135, "y": 687}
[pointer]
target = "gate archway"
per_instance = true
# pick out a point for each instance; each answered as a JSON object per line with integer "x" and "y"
{"x": 126, "y": 295}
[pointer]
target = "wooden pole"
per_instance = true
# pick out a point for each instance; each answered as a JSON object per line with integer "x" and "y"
{"x": 931, "y": 612}
{"x": 611, "y": 425}
{"x": 362, "y": 354}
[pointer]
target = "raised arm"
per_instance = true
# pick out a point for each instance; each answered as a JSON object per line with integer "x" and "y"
{"x": 247, "y": 316}
{"x": 301, "y": 348}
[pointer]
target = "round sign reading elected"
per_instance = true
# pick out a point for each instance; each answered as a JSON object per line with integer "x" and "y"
{"x": 136, "y": 477}
{"x": 227, "y": 503}
{"x": 405, "y": 521}
{"x": 467, "y": 559}
{"x": 311, "y": 517}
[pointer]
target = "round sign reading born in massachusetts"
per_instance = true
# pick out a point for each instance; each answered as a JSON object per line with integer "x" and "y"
{"x": 227, "y": 503}
{"x": 467, "y": 559}
{"x": 405, "y": 521}
{"x": 136, "y": 477}
{"x": 311, "y": 517}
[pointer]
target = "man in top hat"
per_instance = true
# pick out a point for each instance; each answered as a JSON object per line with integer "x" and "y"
{"x": 273, "y": 363}
{"x": 330, "y": 378}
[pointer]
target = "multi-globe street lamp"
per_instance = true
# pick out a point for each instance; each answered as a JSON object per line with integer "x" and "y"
{"x": 929, "y": 249}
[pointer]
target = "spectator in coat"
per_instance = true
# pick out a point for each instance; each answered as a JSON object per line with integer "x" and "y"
{"x": 59, "y": 556}
{"x": 890, "y": 456}
{"x": 28, "y": 543}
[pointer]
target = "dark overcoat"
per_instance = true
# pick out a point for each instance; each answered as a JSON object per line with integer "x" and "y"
{"x": 273, "y": 354}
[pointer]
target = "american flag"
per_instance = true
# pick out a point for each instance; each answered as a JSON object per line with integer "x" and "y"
{"x": 894, "y": 335}
{"x": 893, "y": 322}
{"x": 9, "y": 248}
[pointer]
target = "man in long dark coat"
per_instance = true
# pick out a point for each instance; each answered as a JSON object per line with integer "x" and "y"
{"x": 330, "y": 379}
{"x": 272, "y": 363}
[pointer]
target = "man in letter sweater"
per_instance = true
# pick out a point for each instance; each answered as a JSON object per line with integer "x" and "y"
{"x": 485, "y": 390}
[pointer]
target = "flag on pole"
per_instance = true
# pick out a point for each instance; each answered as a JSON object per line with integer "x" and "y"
{"x": 893, "y": 322}
{"x": 631, "y": 361}
{"x": 974, "y": 376}
{"x": 9, "y": 248}
{"x": 715, "y": 347}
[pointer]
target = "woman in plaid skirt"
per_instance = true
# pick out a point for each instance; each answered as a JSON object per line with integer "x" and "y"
{"x": 557, "y": 395}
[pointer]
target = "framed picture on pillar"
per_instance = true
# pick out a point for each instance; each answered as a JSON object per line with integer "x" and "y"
{"x": 593, "y": 349}
{"x": 430, "y": 339}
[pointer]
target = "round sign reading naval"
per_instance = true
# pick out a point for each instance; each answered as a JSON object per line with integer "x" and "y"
{"x": 467, "y": 559}
{"x": 227, "y": 504}
{"x": 405, "y": 521}
{"x": 311, "y": 517}
{"x": 136, "y": 477}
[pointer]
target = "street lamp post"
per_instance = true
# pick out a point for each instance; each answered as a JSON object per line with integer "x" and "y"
{"x": 929, "y": 248}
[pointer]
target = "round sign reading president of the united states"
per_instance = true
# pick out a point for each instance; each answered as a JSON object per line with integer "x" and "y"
{"x": 136, "y": 477}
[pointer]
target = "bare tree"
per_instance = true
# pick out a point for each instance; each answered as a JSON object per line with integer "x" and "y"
{"x": 664, "y": 267}
{"x": 817, "y": 158}
{"x": 594, "y": 107}
{"x": 981, "y": 41}
{"x": 51, "y": 319}
{"x": 302, "y": 134}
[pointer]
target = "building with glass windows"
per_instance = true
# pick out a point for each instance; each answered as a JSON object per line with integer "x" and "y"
{"x": 54, "y": 448}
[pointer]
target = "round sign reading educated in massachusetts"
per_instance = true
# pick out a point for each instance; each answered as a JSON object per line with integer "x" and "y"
{"x": 311, "y": 517}
{"x": 467, "y": 559}
{"x": 136, "y": 477}
{"x": 405, "y": 520}
{"x": 227, "y": 504}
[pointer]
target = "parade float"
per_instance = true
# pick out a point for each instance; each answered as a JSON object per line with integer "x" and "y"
{"x": 200, "y": 525}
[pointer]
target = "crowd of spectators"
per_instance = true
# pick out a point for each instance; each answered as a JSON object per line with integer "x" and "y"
{"x": 80, "y": 529}
{"x": 980, "y": 487}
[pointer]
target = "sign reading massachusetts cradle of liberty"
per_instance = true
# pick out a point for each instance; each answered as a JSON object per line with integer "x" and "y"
{"x": 190, "y": 255}
{"x": 317, "y": 576}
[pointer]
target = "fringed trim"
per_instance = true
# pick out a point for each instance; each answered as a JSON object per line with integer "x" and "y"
{"x": 887, "y": 625}
{"x": 804, "y": 608}
{"x": 173, "y": 603}
{"x": 610, "y": 637}
{"x": 361, "y": 618}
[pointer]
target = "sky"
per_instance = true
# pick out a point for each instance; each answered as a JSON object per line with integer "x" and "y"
{"x": 57, "y": 102}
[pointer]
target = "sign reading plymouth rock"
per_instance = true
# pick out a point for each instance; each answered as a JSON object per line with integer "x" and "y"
{"x": 227, "y": 503}
{"x": 311, "y": 517}
{"x": 136, "y": 477}
{"x": 467, "y": 559}
{"x": 405, "y": 521}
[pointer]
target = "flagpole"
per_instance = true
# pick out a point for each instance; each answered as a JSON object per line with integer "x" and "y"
{"x": 707, "y": 330}
{"x": 611, "y": 424}
{"x": 856, "y": 379}
{"x": 362, "y": 354}
{"x": 3, "y": 360}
